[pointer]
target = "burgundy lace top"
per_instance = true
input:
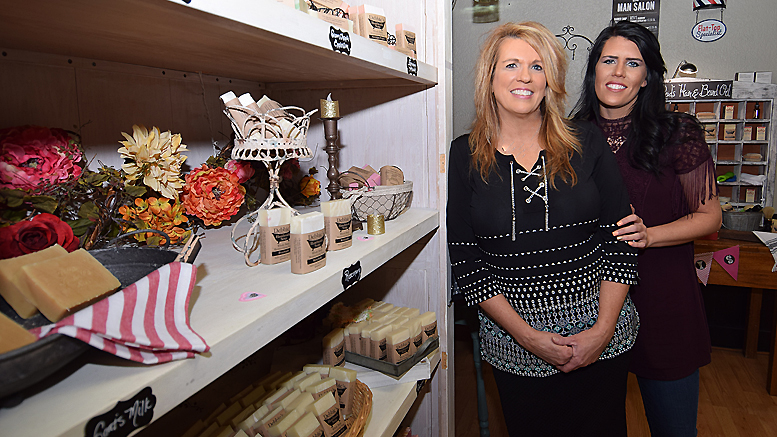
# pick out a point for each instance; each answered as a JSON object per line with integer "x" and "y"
{"x": 673, "y": 339}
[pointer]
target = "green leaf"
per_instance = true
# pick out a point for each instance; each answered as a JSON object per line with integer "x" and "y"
{"x": 89, "y": 211}
{"x": 12, "y": 198}
{"x": 44, "y": 203}
{"x": 135, "y": 191}
{"x": 80, "y": 226}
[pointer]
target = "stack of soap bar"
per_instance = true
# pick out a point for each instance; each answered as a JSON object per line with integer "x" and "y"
{"x": 12, "y": 335}
{"x": 13, "y": 285}
{"x": 63, "y": 285}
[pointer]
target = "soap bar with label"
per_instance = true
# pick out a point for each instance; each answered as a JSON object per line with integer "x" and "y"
{"x": 63, "y": 285}
{"x": 13, "y": 286}
{"x": 12, "y": 335}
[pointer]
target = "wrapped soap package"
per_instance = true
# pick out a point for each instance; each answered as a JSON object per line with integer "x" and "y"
{"x": 274, "y": 235}
{"x": 308, "y": 248}
{"x": 337, "y": 222}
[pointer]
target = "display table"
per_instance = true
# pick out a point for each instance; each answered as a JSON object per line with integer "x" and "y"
{"x": 755, "y": 273}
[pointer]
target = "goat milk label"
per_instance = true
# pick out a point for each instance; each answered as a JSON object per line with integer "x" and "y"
{"x": 341, "y": 41}
{"x": 124, "y": 418}
{"x": 352, "y": 274}
{"x": 412, "y": 66}
{"x": 708, "y": 30}
{"x": 701, "y": 90}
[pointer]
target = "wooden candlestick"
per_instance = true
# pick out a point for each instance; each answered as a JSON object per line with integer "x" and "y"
{"x": 332, "y": 150}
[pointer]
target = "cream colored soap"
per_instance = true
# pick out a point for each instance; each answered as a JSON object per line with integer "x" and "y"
{"x": 301, "y": 402}
{"x": 13, "y": 285}
{"x": 321, "y": 369}
{"x": 306, "y": 426}
{"x": 307, "y": 381}
{"x": 279, "y": 428}
{"x": 63, "y": 285}
{"x": 12, "y": 335}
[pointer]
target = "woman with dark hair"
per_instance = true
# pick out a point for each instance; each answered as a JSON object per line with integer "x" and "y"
{"x": 533, "y": 200}
{"x": 670, "y": 177}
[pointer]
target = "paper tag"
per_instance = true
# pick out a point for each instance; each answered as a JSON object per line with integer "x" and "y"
{"x": 412, "y": 66}
{"x": 352, "y": 274}
{"x": 340, "y": 40}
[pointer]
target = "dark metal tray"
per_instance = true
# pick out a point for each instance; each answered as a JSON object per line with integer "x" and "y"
{"x": 394, "y": 369}
{"x": 28, "y": 365}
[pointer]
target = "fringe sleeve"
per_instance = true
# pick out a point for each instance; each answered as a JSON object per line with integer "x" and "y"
{"x": 695, "y": 169}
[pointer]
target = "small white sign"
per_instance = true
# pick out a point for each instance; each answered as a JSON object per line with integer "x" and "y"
{"x": 708, "y": 30}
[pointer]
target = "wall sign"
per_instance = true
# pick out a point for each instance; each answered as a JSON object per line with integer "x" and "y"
{"x": 124, "y": 418}
{"x": 698, "y": 90}
{"x": 352, "y": 274}
{"x": 642, "y": 12}
{"x": 340, "y": 40}
{"x": 708, "y": 30}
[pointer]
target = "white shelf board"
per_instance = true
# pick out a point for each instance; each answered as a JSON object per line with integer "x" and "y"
{"x": 232, "y": 328}
{"x": 261, "y": 40}
{"x": 390, "y": 405}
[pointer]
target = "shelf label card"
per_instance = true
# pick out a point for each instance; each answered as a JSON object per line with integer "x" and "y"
{"x": 125, "y": 417}
{"x": 341, "y": 40}
{"x": 412, "y": 66}
{"x": 352, "y": 274}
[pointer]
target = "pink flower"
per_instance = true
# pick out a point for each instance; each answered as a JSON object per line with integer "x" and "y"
{"x": 242, "y": 169}
{"x": 31, "y": 156}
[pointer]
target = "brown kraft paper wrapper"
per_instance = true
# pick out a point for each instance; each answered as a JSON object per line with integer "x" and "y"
{"x": 335, "y": 356}
{"x": 416, "y": 342}
{"x": 345, "y": 392}
{"x": 275, "y": 244}
{"x": 429, "y": 331}
{"x": 366, "y": 344}
{"x": 399, "y": 352}
{"x": 263, "y": 428}
{"x": 330, "y": 421}
{"x": 318, "y": 432}
{"x": 378, "y": 349}
{"x": 338, "y": 232}
{"x": 308, "y": 252}
{"x": 373, "y": 27}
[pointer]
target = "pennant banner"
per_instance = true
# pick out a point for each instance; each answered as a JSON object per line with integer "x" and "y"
{"x": 729, "y": 260}
{"x": 703, "y": 263}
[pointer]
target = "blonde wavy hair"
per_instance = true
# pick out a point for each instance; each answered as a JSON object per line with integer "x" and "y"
{"x": 556, "y": 134}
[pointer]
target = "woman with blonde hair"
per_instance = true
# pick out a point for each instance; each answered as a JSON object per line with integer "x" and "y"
{"x": 533, "y": 201}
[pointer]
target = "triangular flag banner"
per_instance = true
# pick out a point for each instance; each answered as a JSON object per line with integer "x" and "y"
{"x": 729, "y": 260}
{"x": 703, "y": 263}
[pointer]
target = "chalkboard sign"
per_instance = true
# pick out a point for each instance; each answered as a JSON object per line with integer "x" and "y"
{"x": 412, "y": 66}
{"x": 352, "y": 274}
{"x": 341, "y": 41}
{"x": 699, "y": 90}
{"x": 124, "y": 418}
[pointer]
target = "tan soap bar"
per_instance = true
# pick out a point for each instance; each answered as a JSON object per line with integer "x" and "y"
{"x": 306, "y": 426}
{"x": 301, "y": 402}
{"x": 307, "y": 381}
{"x": 12, "y": 335}
{"x": 321, "y": 369}
{"x": 13, "y": 285}
{"x": 227, "y": 415}
{"x": 280, "y": 428}
{"x": 63, "y": 285}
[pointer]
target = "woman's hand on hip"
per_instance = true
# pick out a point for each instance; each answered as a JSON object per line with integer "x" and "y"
{"x": 633, "y": 231}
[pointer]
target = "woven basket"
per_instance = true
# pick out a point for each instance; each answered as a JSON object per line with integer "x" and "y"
{"x": 361, "y": 408}
{"x": 387, "y": 200}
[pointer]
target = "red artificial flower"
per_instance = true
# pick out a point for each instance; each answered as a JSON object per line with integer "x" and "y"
{"x": 212, "y": 194}
{"x": 32, "y": 155}
{"x": 28, "y": 236}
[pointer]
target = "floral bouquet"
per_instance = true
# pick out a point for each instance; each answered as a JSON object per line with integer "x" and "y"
{"x": 49, "y": 196}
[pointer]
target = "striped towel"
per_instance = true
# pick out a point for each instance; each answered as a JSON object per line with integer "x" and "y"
{"x": 147, "y": 322}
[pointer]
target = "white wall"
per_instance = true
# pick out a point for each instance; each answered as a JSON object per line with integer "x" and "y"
{"x": 750, "y": 43}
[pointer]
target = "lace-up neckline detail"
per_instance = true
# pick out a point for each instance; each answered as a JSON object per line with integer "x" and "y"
{"x": 615, "y": 131}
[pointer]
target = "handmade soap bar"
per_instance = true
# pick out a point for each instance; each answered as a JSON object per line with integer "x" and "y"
{"x": 327, "y": 411}
{"x": 301, "y": 402}
{"x": 13, "y": 285}
{"x": 306, "y": 426}
{"x": 280, "y": 428}
{"x": 63, "y": 285}
{"x": 345, "y": 379}
{"x": 334, "y": 348}
{"x": 428, "y": 325}
{"x": 308, "y": 248}
{"x": 398, "y": 346}
{"x": 337, "y": 222}
{"x": 307, "y": 381}
{"x": 12, "y": 335}
{"x": 274, "y": 237}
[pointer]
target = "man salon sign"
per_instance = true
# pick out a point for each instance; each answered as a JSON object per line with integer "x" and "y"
{"x": 708, "y": 30}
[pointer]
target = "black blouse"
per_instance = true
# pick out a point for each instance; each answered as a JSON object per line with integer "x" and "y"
{"x": 546, "y": 250}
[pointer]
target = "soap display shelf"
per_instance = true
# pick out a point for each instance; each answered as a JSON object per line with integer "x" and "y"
{"x": 261, "y": 40}
{"x": 744, "y": 97}
{"x": 233, "y": 327}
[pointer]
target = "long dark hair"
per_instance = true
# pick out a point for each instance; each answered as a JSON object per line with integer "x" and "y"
{"x": 651, "y": 123}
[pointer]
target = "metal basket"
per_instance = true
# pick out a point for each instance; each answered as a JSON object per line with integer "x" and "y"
{"x": 742, "y": 220}
{"x": 387, "y": 200}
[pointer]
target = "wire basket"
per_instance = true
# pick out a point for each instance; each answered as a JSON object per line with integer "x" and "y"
{"x": 361, "y": 408}
{"x": 388, "y": 200}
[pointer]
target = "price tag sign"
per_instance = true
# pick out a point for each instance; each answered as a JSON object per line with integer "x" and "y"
{"x": 412, "y": 66}
{"x": 340, "y": 40}
{"x": 125, "y": 417}
{"x": 352, "y": 274}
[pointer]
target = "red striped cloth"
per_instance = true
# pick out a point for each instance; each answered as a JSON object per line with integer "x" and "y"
{"x": 147, "y": 322}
